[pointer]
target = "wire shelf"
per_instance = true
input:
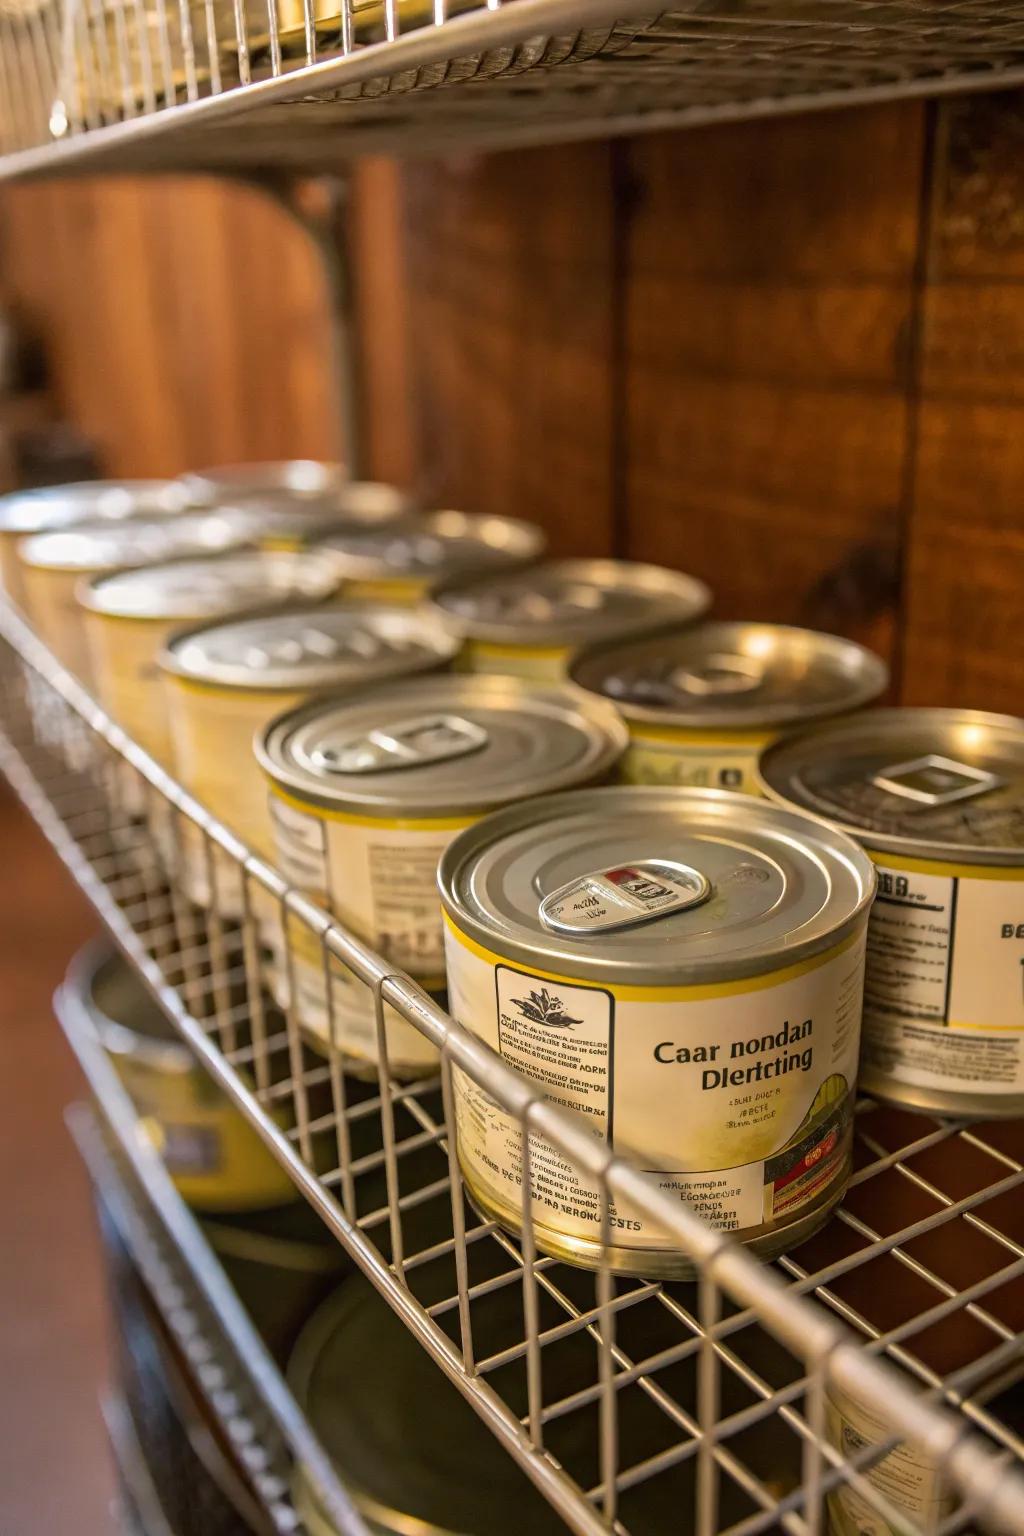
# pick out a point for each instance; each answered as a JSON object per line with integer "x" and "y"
{"x": 248, "y": 84}
{"x": 632, "y": 1405}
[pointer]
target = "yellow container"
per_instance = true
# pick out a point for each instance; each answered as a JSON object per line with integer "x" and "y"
{"x": 53, "y": 564}
{"x": 403, "y": 561}
{"x": 702, "y": 704}
{"x": 216, "y": 1159}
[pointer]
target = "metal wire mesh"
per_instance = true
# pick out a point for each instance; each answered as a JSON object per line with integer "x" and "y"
{"x": 413, "y": 75}
{"x": 741, "y": 1401}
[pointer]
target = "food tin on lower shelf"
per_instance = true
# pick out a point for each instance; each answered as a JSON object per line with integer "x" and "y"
{"x": 224, "y": 682}
{"x": 295, "y": 479}
{"x": 130, "y": 615}
{"x": 401, "y": 562}
{"x": 532, "y": 622}
{"x": 366, "y": 794}
{"x": 61, "y": 506}
{"x": 54, "y": 564}
{"x": 701, "y": 704}
{"x": 215, "y": 1158}
{"x": 936, "y": 797}
{"x": 682, "y": 967}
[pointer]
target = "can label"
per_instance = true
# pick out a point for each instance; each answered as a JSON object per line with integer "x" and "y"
{"x": 944, "y": 988}
{"x": 387, "y": 589}
{"x": 56, "y": 616}
{"x": 699, "y": 758}
{"x": 379, "y": 878}
{"x": 123, "y": 654}
{"x": 905, "y": 1478}
{"x": 543, "y": 663}
{"x": 738, "y": 1096}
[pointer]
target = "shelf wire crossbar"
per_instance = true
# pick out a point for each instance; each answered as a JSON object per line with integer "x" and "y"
{"x": 625, "y": 1400}
{"x": 251, "y": 83}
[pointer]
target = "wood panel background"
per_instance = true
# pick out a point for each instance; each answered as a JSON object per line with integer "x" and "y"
{"x": 786, "y": 356}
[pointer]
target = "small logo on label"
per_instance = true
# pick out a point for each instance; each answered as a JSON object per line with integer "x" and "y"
{"x": 542, "y": 1008}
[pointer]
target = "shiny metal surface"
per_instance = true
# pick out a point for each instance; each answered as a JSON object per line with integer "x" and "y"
{"x": 289, "y": 479}
{"x": 57, "y": 506}
{"x": 433, "y": 547}
{"x": 824, "y": 1309}
{"x": 442, "y": 746}
{"x": 193, "y": 589}
{"x": 103, "y": 546}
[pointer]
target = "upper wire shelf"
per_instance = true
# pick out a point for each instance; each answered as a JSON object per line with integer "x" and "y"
{"x": 629, "y": 1404}
{"x": 246, "y": 85}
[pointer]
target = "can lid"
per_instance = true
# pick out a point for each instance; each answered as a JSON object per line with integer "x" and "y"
{"x": 435, "y": 546}
{"x": 441, "y": 746}
{"x": 295, "y": 478}
{"x": 340, "y": 645}
{"x": 733, "y": 676}
{"x": 198, "y": 588}
{"x": 930, "y": 782}
{"x": 654, "y": 886}
{"x": 357, "y": 504}
{"x": 58, "y": 506}
{"x": 104, "y": 546}
{"x": 414, "y": 1472}
{"x": 572, "y": 601}
{"x": 124, "y": 1015}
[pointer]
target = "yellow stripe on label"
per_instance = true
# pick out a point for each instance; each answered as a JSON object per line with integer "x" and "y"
{"x": 545, "y": 652}
{"x": 397, "y": 589}
{"x": 898, "y": 861}
{"x": 356, "y": 819}
{"x": 699, "y": 993}
{"x": 706, "y": 738}
{"x": 229, "y": 691}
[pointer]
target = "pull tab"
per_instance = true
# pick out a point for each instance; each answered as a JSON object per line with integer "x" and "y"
{"x": 724, "y": 673}
{"x": 934, "y": 780}
{"x": 622, "y": 897}
{"x": 413, "y": 744}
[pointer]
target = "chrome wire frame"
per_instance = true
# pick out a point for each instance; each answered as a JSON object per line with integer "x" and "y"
{"x": 249, "y": 84}
{"x": 618, "y": 1397}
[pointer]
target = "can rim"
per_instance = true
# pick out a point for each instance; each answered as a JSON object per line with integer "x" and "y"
{"x": 76, "y": 991}
{"x": 88, "y": 590}
{"x": 982, "y": 854}
{"x": 602, "y": 716}
{"x": 170, "y": 663}
{"x": 620, "y": 971}
{"x": 677, "y": 590}
{"x": 527, "y": 543}
{"x": 77, "y": 498}
{"x": 226, "y": 480}
{"x": 873, "y": 682}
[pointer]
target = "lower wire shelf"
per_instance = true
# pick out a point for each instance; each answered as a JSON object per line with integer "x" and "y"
{"x": 869, "y": 1365}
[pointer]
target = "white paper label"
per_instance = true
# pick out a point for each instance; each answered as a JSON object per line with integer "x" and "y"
{"x": 944, "y": 989}
{"x": 905, "y": 1478}
{"x": 739, "y": 1103}
{"x": 713, "y": 764}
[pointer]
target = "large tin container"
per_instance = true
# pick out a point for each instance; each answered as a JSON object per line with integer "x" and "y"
{"x": 936, "y": 797}
{"x": 294, "y": 479}
{"x": 60, "y": 506}
{"x": 702, "y": 704}
{"x": 130, "y": 615}
{"x": 692, "y": 960}
{"x": 225, "y": 681}
{"x": 53, "y": 564}
{"x": 532, "y": 622}
{"x": 282, "y": 522}
{"x": 215, "y": 1158}
{"x": 367, "y": 793}
{"x": 402, "y": 562}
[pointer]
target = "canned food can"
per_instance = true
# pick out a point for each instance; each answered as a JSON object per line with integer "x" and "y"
{"x": 281, "y": 522}
{"x": 215, "y": 1158}
{"x": 295, "y": 479}
{"x": 402, "y": 561}
{"x": 60, "y": 506}
{"x": 366, "y": 793}
{"x": 935, "y": 797}
{"x": 411, "y": 1472}
{"x": 131, "y": 614}
{"x": 693, "y": 961}
{"x": 225, "y": 681}
{"x": 53, "y": 564}
{"x": 702, "y": 704}
{"x": 532, "y": 622}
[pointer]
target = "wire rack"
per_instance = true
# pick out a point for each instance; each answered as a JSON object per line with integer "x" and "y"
{"x": 242, "y": 1388}
{"x": 634, "y": 1407}
{"x": 246, "y": 84}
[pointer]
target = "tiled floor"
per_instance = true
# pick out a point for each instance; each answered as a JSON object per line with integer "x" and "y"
{"x": 55, "y": 1474}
